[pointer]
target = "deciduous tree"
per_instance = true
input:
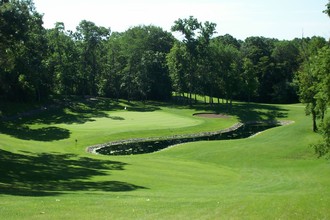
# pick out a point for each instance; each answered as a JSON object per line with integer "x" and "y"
{"x": 22, "y": 51}
{"x": 320, "y": 66}
{"x": 189, "y": 28}
{"x": 91, "y": 38}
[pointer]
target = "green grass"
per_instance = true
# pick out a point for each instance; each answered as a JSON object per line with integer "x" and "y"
{"x": 44, "y": 174}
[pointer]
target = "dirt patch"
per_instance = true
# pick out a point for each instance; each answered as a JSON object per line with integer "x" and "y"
{"x": 211, "y": 115}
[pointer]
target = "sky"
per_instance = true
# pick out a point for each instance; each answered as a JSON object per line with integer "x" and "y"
{"x": 281, "y": 19}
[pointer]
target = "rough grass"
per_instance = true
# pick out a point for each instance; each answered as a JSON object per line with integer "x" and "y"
{"x": 45, "y": 174}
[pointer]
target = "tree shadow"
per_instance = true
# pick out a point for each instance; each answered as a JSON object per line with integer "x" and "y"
{"x": 69, "y": 111}
{"x": 106, "y": 104}
{"x": 247, "y": 111}
{"x": 118, "y": 118}
{"x": 65, "y": 111}
{"x": 258, "y": 112}
{"x": 147, "y": 106}
{"x": 23, "y": 132}
{"x": 77, "y": 110}
{"x": 29, "y": 174}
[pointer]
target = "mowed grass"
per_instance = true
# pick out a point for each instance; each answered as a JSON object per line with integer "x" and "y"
{"x": 274, "y": 175}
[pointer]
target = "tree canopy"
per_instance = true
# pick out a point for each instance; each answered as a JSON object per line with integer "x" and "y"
{"x": 327, "y": 10}
{"x": 144, "y": 62}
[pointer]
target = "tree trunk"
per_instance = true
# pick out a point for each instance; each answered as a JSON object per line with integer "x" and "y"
{"x": 231, "y": 104}
{"x": 190, "y": 98}
{"x": 315, "y": 129}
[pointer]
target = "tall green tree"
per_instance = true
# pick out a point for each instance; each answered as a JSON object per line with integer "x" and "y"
{"x": 113, "y": 62}
{"x": 145, "y": 74}
{"x": 307, "y": 78}
{"x": 154, "y": 65}
{"x": 250, "y": 82}
{"x": 285, "y": 56}
{"x": 178, "y": 62}
{"x": 63, "y": 60}
{"x": 320, "y": 65}
{"x": 258, "y": 50}
{"x": 227, "y": 63}
{"x": 205, "y": 66}
{"x": 228, "y": 70}
{"x": 189, "y": 27}
{"x": 22, "y": 49}
{"x": 307, "y": 91}
{"x": 91, "y": 39}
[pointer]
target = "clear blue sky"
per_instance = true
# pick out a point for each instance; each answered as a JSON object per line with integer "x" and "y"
{"x": 282, "y": 19}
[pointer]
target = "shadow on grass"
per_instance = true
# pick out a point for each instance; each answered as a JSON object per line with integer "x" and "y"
{"x": 53, "y": 174}
{"x": 41, "y": 134}
{"x": 77, "y": 111}
{"x": 247, "y": 112}
{"x": 147, "y": 106}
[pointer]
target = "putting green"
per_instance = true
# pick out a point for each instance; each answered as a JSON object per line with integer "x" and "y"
{"x": 61, "y": 131}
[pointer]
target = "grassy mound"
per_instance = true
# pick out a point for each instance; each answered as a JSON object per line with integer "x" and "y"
{"x": 46, "y": 173}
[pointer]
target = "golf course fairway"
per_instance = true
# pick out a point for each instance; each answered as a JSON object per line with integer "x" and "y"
{"x": 46, "y": 173}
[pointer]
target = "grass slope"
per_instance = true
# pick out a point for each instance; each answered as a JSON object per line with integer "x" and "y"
{"x": 274, "y": 175}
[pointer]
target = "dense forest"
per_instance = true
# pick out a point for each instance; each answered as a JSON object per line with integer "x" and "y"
{"x": 144, "y": 62}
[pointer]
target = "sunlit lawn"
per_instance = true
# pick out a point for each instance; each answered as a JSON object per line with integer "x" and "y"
{"x": 46, "y": 174}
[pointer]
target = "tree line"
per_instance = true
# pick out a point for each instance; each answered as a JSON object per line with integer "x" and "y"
{"x": 144, "y": 62}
